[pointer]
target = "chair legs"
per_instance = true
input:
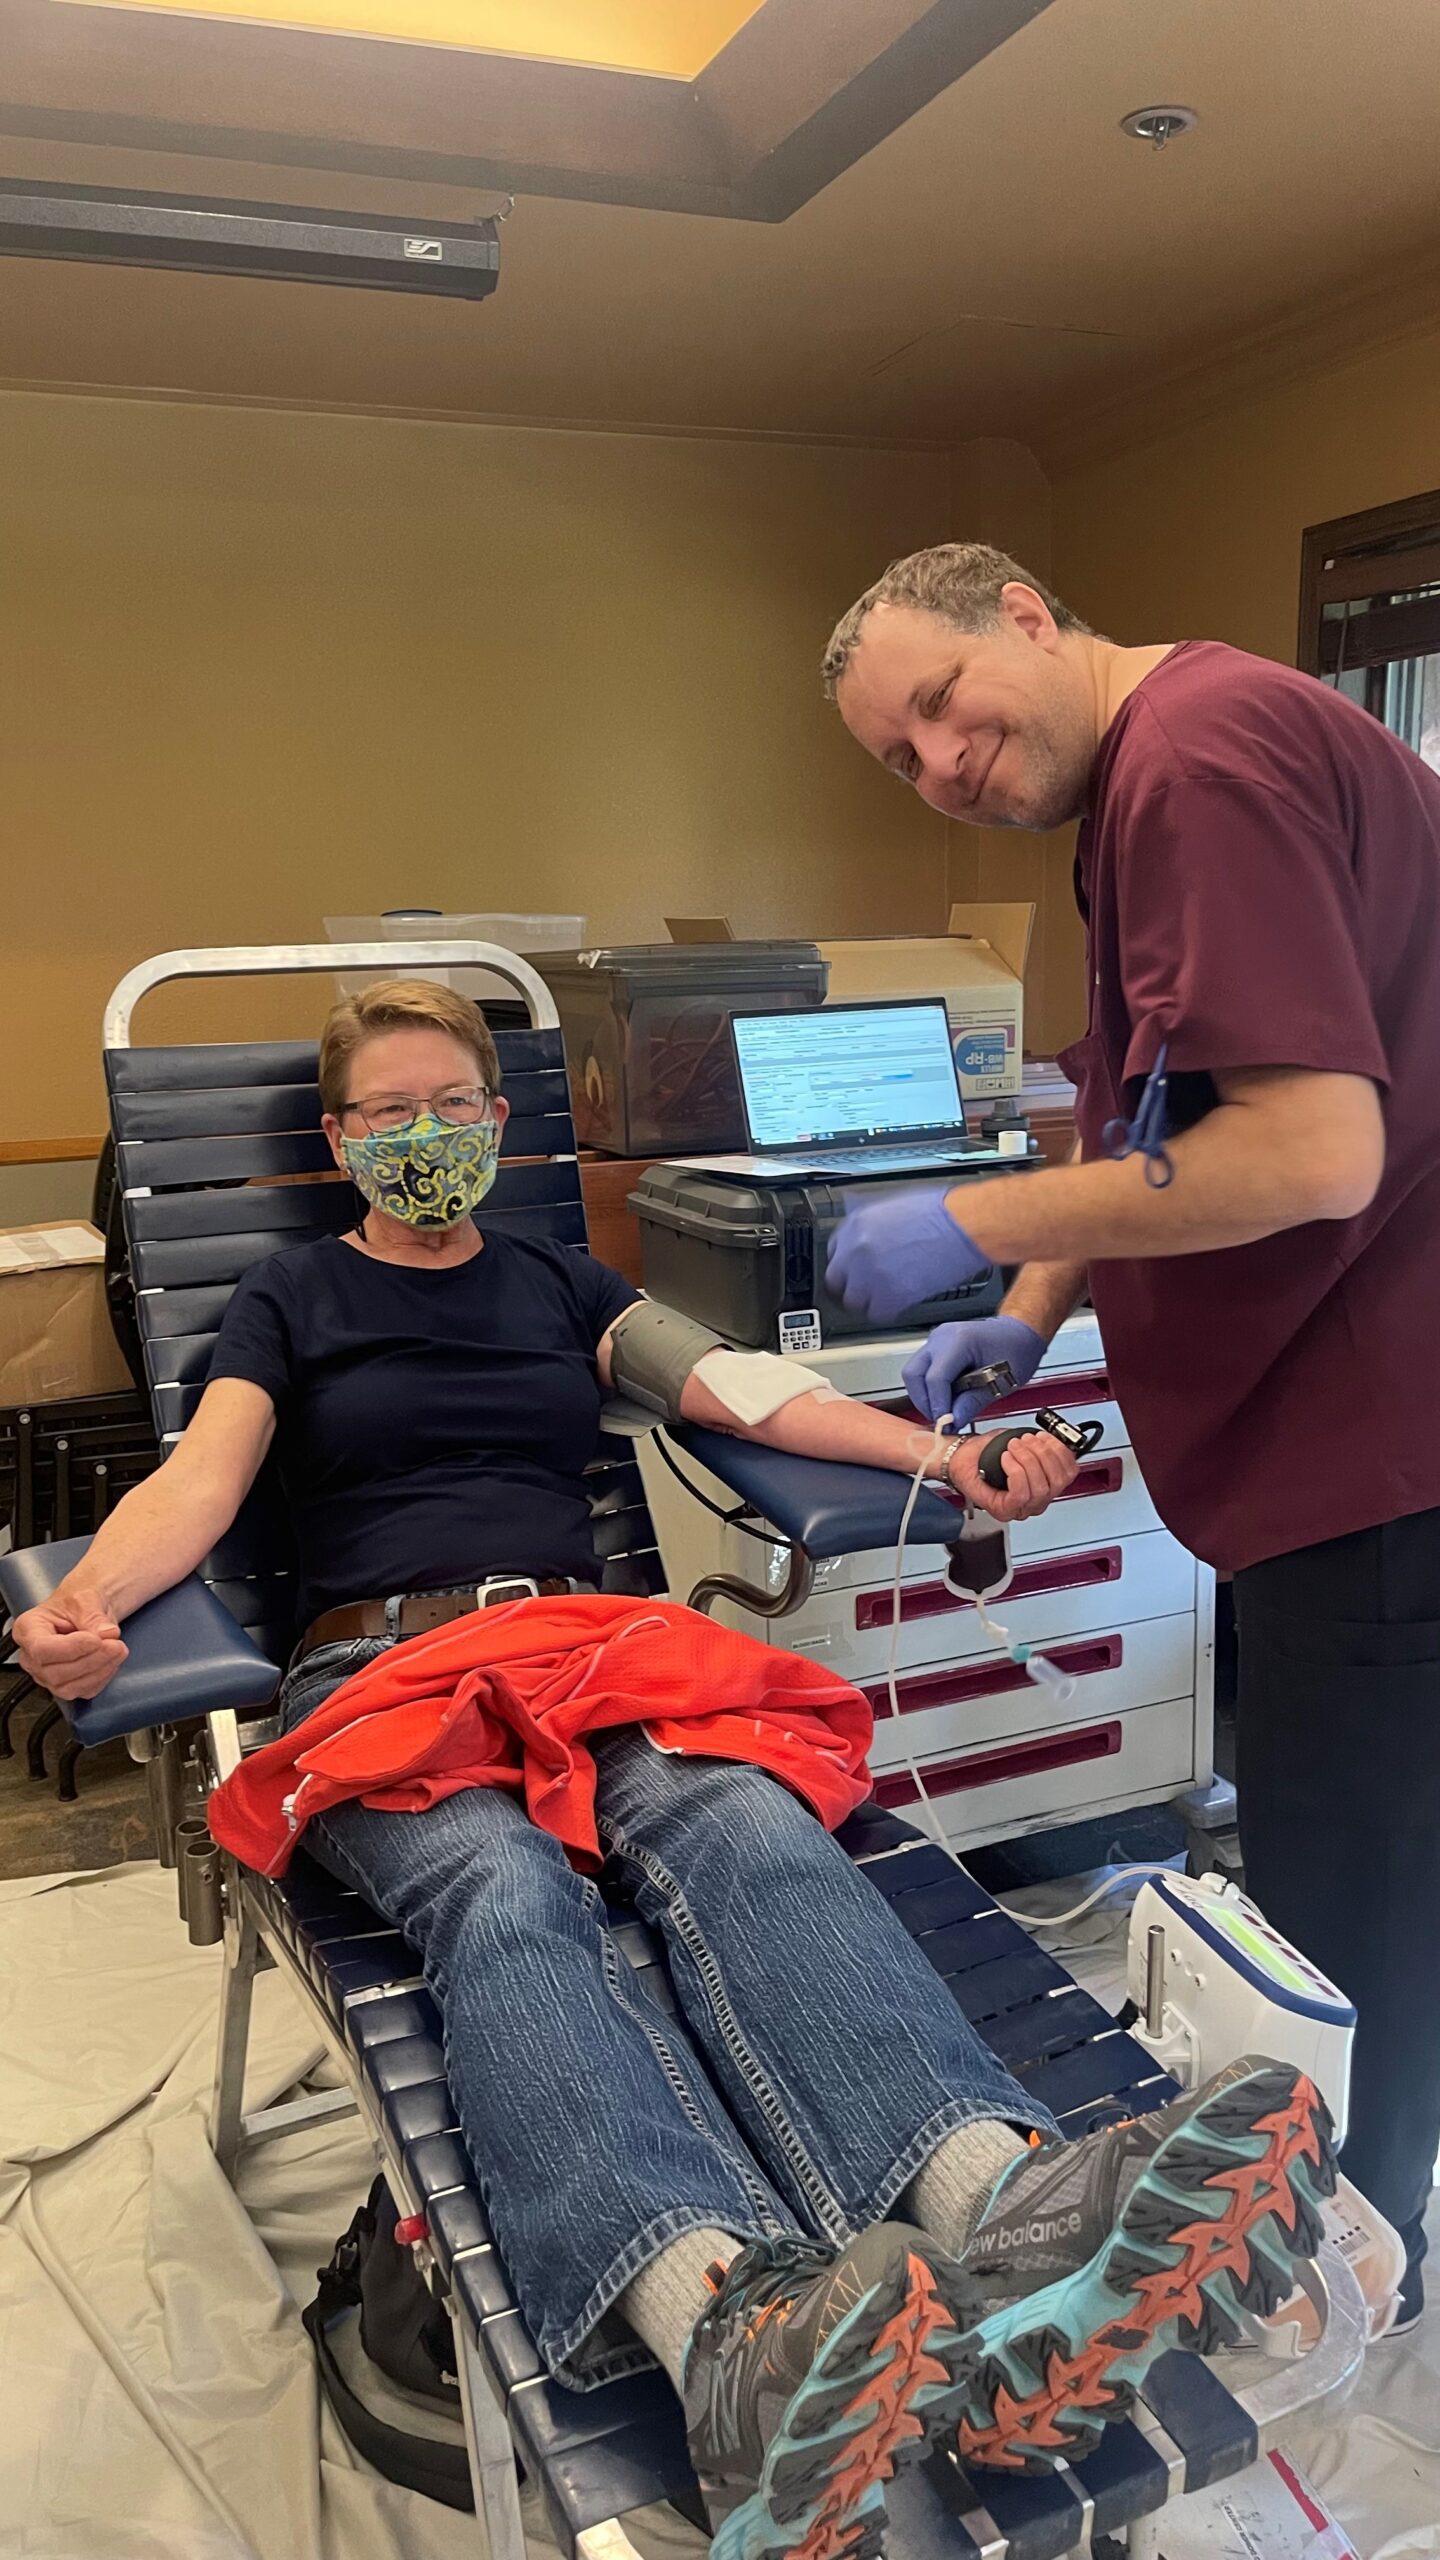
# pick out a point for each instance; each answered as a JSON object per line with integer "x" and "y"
{"x": 165, "y": 1779}
{"x": 492, "y": 2454}
{"x": 242, "y": 1959}
{"x": 14, "y": 1697}
{"x": 37, "y": 1737}
{"x": 68, "y": 1783}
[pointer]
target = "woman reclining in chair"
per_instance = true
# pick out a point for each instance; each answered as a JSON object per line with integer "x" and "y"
{"x": 842, "y": 2228}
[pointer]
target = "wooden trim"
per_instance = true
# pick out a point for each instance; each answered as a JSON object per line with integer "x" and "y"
{"x": 803, "y": 90}
{"x": 1378, "y": 638}
{"x": 1355, "y": 575}
{"x": 49, "y": 1150}
{"x": 1373, "y": 526}
{"x": 784, "y": 64}
{"x": 832, "y": 117}
{"x": 230, "y": 90}
{"x": 1371, "y": 530}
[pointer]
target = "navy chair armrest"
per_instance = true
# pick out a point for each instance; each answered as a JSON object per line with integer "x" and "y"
{"x": 187, "y": 1655}
{"x": 829, "y": 1510}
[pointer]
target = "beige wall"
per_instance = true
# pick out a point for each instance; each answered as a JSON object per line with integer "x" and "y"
{"x": 1198, "y": 535}
{"x": 258, "y": 667}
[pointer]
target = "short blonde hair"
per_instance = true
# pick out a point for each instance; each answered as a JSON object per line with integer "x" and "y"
{"x": 400, "y": 1004}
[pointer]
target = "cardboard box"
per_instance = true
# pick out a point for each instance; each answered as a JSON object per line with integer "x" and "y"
{"x": 56, "y": 1340}
{"x": 979, "y": 969}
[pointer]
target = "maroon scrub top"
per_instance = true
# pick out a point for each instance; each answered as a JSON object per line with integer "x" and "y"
{"x": 1260, "y": 877}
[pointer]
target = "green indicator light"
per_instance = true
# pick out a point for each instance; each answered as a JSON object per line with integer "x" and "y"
{"x": 1262, "y": 1951}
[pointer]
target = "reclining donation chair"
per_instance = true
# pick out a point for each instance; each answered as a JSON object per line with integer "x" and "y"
{"x": 221, "y": 1161}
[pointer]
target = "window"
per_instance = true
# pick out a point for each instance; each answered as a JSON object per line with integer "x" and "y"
{"x": 1370, "y": 615}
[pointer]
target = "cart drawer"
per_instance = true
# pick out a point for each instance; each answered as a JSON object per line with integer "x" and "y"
{"x": 988, "y": 1699}
{"x": 1050, "y": 1598}
{"x": 1059, "y": 1773}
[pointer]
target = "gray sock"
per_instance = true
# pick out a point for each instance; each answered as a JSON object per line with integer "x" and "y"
{"x": 666, "y": 2299}
{"x": 949, "y": 2195}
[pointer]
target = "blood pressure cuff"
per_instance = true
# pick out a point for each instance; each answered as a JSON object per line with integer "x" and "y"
{"x": 653, "y": 1351}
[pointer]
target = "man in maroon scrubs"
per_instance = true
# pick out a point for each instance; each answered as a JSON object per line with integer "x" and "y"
{"x": 1255, "y": 1205}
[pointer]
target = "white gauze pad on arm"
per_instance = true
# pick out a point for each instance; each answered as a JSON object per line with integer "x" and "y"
{"x": 754, "y": 1384}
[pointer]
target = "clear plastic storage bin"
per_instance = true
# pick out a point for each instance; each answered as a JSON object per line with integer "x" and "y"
{"x": 529, "y": 935}
{"x": 647, "y": 1036}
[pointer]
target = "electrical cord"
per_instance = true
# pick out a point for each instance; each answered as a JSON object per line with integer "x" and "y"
{"x": 931, "y": 1817}
{"x": 732, "y": 1519}
{"x": 1045, "y": 1674}
{"x": 1102, "y": 1893}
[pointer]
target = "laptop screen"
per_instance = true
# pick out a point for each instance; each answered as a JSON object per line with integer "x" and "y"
{"x": 848, "y": 1075}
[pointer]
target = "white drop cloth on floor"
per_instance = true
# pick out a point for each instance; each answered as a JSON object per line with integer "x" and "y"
{"x": 160, "y": 2394}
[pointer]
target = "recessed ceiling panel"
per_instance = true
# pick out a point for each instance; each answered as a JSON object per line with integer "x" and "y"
{"x": 674, "y": 38}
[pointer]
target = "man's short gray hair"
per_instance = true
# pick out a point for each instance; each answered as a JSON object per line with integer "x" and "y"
{"x": 961, "y": 582}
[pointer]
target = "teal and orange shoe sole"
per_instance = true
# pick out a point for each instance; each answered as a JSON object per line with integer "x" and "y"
{"x": 1214, "y": 2225}
{"x": 879, "y": 2392}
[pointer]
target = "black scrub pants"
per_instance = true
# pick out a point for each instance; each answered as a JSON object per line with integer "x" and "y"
{"x": 1339, "y": 1782}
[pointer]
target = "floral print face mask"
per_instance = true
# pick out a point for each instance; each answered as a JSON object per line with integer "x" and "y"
{"x": 428, "y": 1174}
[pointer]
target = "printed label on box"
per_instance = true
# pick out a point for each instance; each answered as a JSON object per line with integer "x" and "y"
{"x": 800, "y": 1329}
{"x": 981, "y": 1053}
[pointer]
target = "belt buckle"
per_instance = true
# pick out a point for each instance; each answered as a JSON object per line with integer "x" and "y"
{"x": 505, "y": 1588}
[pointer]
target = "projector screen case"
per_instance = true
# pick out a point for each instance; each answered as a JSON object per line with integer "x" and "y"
{"x": 108, "y": 226}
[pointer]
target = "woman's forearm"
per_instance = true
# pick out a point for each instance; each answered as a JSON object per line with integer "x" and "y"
{"x": 826, "y": 1424}
{"x": 161, "y": 1531}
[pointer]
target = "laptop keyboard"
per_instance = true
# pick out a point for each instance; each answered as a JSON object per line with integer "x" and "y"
{"x": 929, "y": 1158}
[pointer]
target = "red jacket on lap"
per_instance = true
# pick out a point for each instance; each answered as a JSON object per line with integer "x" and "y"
{"x": 509, "y": 1697}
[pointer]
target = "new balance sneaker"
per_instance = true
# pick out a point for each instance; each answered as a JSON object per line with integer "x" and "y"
{"x": 809, "y": 2379}
{"x": 1092, "y": 2257}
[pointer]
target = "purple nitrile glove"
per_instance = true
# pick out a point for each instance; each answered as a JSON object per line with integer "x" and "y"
{"x": 898, "y": 1253}
{"x": 930, "y": 1373}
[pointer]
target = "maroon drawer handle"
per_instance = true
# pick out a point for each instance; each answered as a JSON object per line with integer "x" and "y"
{"x": 1027, "y": 1582}
{"x": 1016, "y": 1760}
{"x": 1099, "y": 1475}
{"x": 952, "y": 1687}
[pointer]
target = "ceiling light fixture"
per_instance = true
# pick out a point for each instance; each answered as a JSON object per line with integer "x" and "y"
{"x": 1158, "y": 125}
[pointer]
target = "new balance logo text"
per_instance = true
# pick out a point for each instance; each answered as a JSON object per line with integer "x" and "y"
{"x": 1027, "y": 2235}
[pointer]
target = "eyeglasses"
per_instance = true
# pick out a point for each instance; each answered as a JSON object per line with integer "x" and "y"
{"x": 383, "y": 1113}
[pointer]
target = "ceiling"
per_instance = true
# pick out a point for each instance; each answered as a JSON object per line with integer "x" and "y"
{"x": 675, "y": 38}
{"x": 1005, "y": 263}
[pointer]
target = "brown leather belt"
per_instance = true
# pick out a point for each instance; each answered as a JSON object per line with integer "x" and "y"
{"x": 415, "y": 1613}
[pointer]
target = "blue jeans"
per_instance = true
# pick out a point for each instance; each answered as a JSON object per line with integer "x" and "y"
{"x": 820, "y": 2062}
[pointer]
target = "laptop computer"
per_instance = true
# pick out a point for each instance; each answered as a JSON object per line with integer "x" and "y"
{"x": 851, "y": 1090}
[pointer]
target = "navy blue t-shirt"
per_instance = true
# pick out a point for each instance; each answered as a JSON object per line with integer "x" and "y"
{"x": 432, "y": 1426}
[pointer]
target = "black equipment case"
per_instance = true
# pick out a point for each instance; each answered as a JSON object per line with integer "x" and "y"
{"x": 747, "y": 1254}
